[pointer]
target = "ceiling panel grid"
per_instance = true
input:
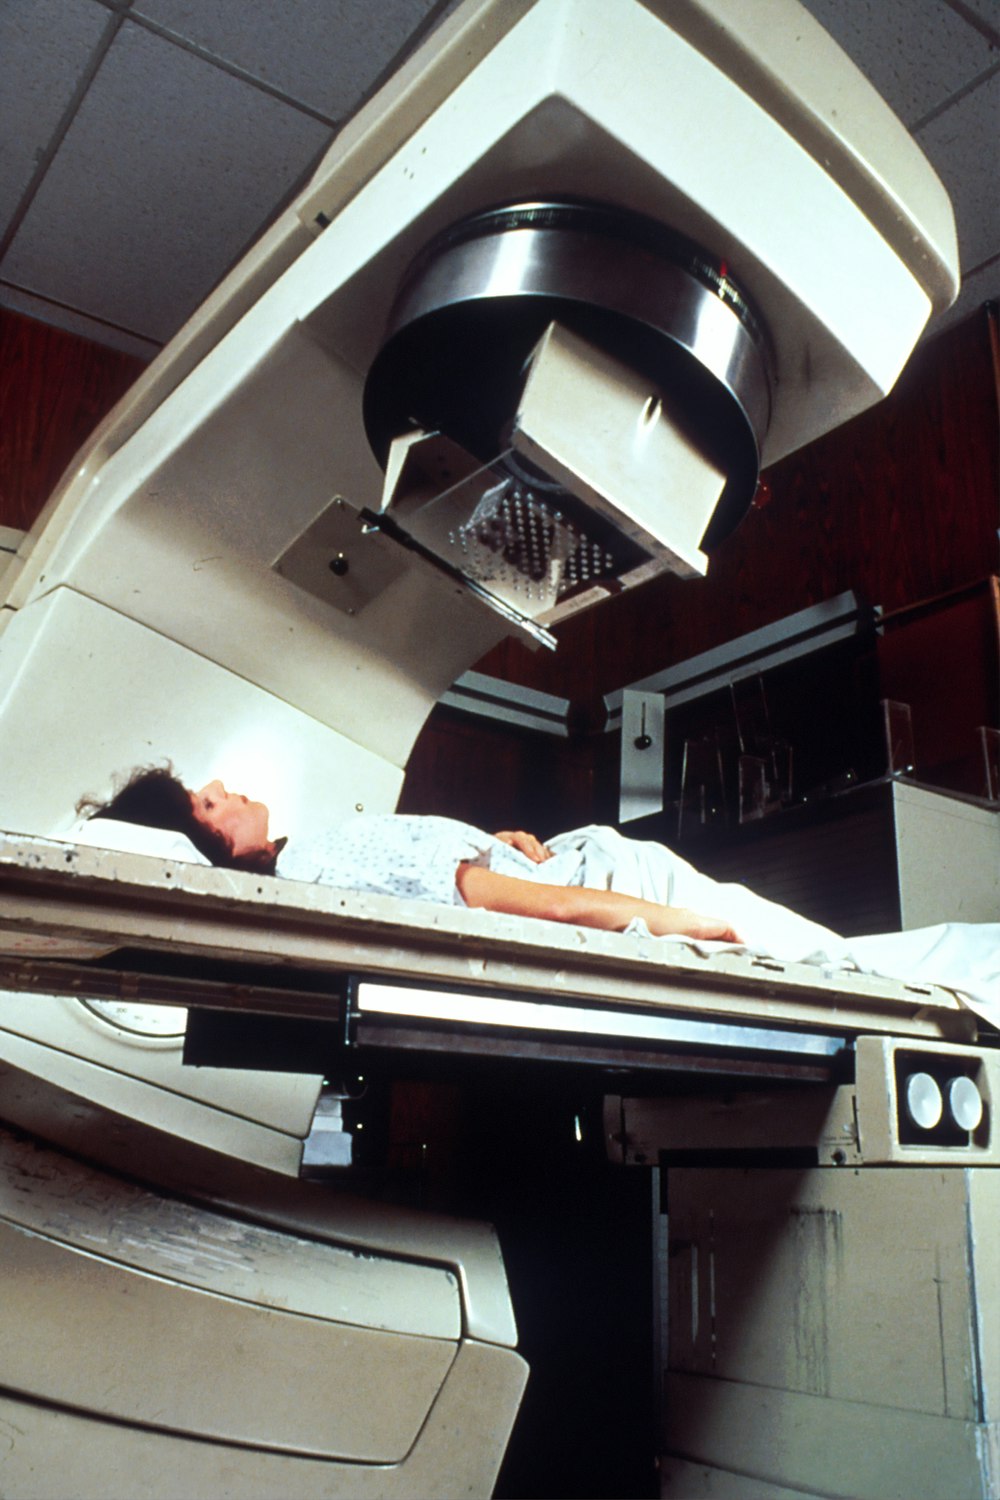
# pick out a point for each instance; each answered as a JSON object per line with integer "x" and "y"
{"x": 147, "y": 142}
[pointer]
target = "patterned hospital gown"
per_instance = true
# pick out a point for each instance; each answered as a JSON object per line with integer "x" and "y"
{"x": 414, "y": 857}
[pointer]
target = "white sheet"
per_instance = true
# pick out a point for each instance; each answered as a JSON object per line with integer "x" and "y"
{"x": 961, "y": 957}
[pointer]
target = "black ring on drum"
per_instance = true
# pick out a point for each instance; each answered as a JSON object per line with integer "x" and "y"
{"x": 475, "y": 301}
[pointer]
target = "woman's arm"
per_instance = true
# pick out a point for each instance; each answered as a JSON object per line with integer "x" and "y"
{"x": 576, "y": 904}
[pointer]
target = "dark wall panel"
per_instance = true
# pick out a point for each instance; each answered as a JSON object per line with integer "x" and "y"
{"x": 54, "y": 390}
{"x": 942, "y": 658}
{"x": 494, "y": 777}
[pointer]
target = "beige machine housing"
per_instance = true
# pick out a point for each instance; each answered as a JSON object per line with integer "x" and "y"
{"x": 832, "y": 1326}
{"x": 165, "y": 556}
{"x": 828, "y": 1337}
{"x": 216, "y": 579}
{"x": 828, "y": 1256}
{"x": 596, "y": 997}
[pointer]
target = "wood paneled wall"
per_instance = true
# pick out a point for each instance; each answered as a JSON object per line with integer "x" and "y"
{"x": 54, "y": 389}
{"x": 484, "y": 773}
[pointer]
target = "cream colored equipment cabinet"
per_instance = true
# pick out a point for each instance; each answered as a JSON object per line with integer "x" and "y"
{"x": 181, "y": 1312}
{"x": 279, "y": 1340}
{"x": 833, "y": 1329}
{"x": 833, "y": 1333}
{"x": 155, "y": 1346}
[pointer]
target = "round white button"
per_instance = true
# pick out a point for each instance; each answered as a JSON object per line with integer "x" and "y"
{"x": 924, "y": 1104}
{"x": 965, "y": 1103}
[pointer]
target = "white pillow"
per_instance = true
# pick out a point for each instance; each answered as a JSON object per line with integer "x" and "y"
{"x": 133, "y": 838}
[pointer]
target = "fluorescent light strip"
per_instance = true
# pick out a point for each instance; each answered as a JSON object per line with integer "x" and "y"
{"x": 539, "y": 1015}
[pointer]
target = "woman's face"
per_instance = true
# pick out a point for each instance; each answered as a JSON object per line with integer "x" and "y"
{"x": 242, "y": 823}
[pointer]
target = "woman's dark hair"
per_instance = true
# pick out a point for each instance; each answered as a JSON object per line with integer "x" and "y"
{"x": 154, "y": 797}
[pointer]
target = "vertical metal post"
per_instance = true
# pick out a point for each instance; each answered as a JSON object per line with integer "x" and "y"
{"x": 642, "y": 752}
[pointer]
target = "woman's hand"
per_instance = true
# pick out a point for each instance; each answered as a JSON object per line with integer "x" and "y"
{"x": 527, "y": 843}
{"x": 679, "y": 921}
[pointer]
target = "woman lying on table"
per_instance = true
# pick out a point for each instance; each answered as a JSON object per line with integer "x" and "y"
{"x": 423, "y": 858}
{"x": 592, "y": 877}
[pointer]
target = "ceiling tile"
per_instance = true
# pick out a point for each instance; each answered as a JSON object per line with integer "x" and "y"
{"x": 172, "y": 163}
{"x": 44, "y": 48}
{"x": 168, "y": 169}
{"x": 322, "y": 53}
{"x": 917, "y": 53}
{"x": 988, "y": 12}
{"x": 961, "y": 143}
